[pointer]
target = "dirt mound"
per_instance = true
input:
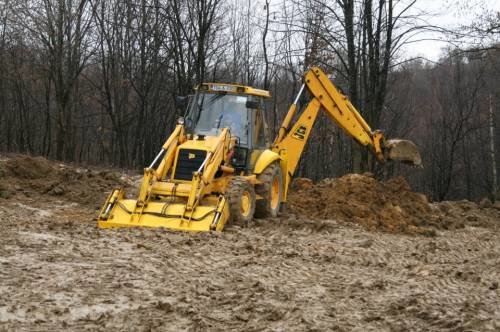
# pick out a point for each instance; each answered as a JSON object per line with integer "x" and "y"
{"x": 26, "y": 167}
{"x": 458, "y": 214}
{"x": 31, "y": 176}
{"x": 390, "y": 206}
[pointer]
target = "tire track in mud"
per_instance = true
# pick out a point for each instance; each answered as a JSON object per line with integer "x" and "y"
{"x": 289, "y": 273}
{"x": 453, "y": 298}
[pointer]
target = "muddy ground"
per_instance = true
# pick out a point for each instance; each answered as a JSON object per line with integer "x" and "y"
{"x": 300, "y": 272}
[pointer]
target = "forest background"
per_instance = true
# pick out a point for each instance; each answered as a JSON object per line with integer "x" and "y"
{"x": 94, "y": 81}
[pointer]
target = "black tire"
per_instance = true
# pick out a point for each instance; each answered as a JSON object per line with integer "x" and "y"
{"x": 239, "y": 213}
{"x": 264, "y": 207}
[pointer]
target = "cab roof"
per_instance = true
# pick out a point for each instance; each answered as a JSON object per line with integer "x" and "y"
{"x": 233, "y": 88}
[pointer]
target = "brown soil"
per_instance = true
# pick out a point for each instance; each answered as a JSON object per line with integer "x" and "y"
{"x": 26, "y": 176}
{"x": 388, "y": 206}
{"x": 313, "y": 272}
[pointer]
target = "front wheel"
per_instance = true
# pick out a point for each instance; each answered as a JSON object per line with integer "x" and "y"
{"x": 241, "y": 198}
{"x": 271, "y": 191}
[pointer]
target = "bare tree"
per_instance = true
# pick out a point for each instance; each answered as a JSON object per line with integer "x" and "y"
{"x": 62, "y": 27}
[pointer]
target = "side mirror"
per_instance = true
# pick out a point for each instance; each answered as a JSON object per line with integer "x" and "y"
{"x": 181, "y": 102}
{"x": 252, "y": 104}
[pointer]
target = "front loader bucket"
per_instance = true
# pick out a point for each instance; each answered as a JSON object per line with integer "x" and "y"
{"x": 404, "y": 151}
{"x": 210, "y": 215}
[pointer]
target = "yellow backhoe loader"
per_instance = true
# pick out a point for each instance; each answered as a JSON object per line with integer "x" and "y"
{"x": 219, "y": 164}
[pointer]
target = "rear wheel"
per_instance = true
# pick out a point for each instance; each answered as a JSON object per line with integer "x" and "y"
{"x": 241, "y": 197}
{"x": 271, "y": 191}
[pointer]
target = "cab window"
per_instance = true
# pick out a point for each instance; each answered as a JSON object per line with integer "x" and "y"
{"x": 211, "y": 112}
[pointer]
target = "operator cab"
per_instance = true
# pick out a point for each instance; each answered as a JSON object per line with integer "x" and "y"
{"x": 239, "y": 108}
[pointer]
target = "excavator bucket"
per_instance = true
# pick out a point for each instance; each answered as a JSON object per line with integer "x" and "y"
{"x": 118, "y": 212}
{"x": 403, "y": 150}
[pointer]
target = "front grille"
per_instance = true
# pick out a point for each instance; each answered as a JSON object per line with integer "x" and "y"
{"x": 188, "y": 161}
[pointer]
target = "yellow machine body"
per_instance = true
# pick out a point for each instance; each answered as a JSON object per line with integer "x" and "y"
{"x": 202, "y": 179}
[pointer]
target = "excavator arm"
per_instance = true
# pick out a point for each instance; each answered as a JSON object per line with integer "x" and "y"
{"x": 292, "y": 137}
